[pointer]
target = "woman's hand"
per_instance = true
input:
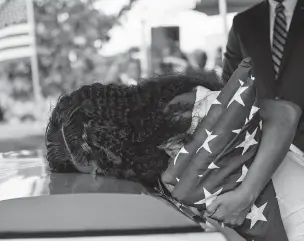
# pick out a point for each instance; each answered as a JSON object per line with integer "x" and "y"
{"x": 181, "y": 103}
{"x": 231, "y": 208}
{"x": 179, "y": 111}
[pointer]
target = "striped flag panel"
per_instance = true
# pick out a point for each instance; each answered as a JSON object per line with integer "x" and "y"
{"x": 219, "y": 155}
{"x": 16, "y": 40}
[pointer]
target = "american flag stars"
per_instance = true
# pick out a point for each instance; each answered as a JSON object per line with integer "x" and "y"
{"x": 237, "y": 131}
{"x": 216, "y": 102}
{"x": 237, "y": 96}
{"x": 223, "y": 158}
{"x": 248, "y": 142}
{"x": 181, "y": 151}
{"x": 256, "y": 215}
{"x": 212, "y": 166}
{"x": 209, "y": 197}
{"x": 244, "y": 173}
{"x": 253, "y": 111}
{"x": 206, "y": 142}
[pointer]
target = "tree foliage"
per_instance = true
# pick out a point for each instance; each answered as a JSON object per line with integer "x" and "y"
{"x": 69, "y": 34}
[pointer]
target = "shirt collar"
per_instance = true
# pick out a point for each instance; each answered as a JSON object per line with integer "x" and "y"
{"x": 289, "y": 5}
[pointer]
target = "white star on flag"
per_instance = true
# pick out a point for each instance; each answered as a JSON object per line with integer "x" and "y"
{"x": 253, "y": 110}
{"x": 248, "y": 142}
{"x": 209, "y": 197}
{"x": 206, "y": 142}
{"x": 212, "y": 166}
{"x": 183, "y": 151}
{"x": 256, "y": 214}
{"x": 236, "y": 131}
{"x": 237, "y": 96}
{"x": 216, "y": 102}
{"x": 244, "y": 173}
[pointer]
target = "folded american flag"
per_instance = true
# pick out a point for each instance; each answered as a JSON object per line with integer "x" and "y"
{"x": 219, "y": 155}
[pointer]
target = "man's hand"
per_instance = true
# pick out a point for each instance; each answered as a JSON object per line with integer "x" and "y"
{"x": 231, "y": 208}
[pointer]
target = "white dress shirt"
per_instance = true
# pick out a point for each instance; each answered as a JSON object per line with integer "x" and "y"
{"x": 289, "y": 9}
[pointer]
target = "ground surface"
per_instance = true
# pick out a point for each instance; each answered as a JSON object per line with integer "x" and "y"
{"x": 22, "y": 136}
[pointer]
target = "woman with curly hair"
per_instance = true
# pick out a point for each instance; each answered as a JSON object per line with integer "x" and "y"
{"x": 123, "y": 132}
{"x": 115, "y": 130}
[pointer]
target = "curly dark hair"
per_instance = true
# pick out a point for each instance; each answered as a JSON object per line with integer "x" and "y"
{"x": 115, "y": 130}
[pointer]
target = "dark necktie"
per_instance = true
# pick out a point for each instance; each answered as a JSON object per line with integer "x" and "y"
{"x": 279, "y": 37}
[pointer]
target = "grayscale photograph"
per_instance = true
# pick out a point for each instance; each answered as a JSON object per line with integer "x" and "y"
{"x": 149, "y": 120}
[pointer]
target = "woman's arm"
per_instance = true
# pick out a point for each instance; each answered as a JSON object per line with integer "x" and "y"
{"x": 280, "y": 121}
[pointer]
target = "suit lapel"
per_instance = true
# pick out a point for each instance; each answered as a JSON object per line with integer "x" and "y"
{"x": 296, "y": 28}
{"x": 261, "y": 45}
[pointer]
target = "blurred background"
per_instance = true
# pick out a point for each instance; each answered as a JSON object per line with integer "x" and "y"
{"x": 52, "y": 47}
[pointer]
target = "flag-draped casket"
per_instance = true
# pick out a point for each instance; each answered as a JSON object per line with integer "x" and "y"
{"x": 219, "y": 154}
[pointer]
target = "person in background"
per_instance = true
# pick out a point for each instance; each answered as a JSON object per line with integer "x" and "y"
{"x": 125, "y": 69}
{"x": 132, "y": 73}
{"x": 198, "y": 60}
{"x": 272, "y": 34}
{"x": 219, "y": 57}
{"x": 174, "y": 64}
{"x": 197, "y": 66}
{"x": 173, "y": 59}
{"x": 1, "y": 114}
{"x": 202, "y": 59}
{"x": 218, "y": 63}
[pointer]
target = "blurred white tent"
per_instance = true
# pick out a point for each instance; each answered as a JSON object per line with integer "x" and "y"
{"x": 134, "y": 31}
{"x": 211, "y": 7}
{"x": 144, "y": 14}
{"x": 203, "y": 25}
{"x": 197, "y": 30}
{"x": 110, "y": 7}
{"x": 136, "y": 23}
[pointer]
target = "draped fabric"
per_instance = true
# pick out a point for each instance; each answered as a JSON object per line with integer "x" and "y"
{"x": 219, "y": 155}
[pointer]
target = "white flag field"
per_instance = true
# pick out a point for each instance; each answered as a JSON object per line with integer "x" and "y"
{"x": 16, "y": 39}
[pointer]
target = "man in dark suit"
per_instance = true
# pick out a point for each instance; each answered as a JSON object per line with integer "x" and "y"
{"x": 272, "y": 34}
{"x": 277, "y": 55}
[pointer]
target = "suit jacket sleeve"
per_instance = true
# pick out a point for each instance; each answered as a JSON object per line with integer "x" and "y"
{"x": 233, "y": 55}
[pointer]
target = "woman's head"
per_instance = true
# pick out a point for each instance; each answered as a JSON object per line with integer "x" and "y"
{"x": 114, "y": 129}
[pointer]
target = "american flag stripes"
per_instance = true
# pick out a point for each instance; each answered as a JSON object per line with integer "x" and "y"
{"x": 16, "y": 38}
{"x": 219, "y": 156}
